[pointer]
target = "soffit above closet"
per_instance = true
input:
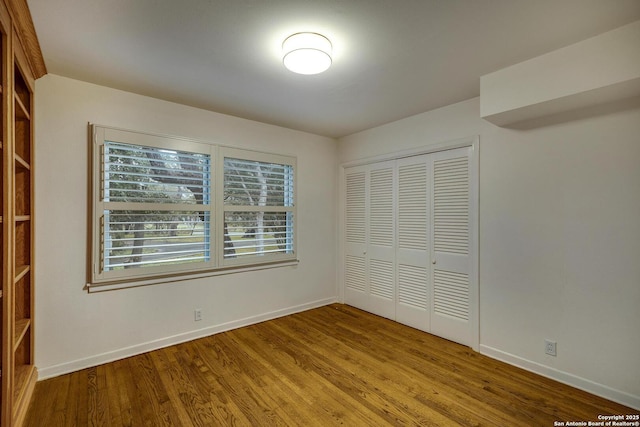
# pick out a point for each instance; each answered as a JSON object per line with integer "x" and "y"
{"x": 391, "y": 59}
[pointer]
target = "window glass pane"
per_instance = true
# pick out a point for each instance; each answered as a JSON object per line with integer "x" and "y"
{"x": 134, "y": 239}
{"x": 257, "y": 233}
{"x": 252, "y": 183}
{"x": 138, "y": 174}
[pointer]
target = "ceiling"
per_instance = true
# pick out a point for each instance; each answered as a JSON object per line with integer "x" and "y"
{"x": 392, "y": 58}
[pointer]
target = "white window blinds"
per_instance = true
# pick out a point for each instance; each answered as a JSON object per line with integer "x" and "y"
{"x": 140, "y": 174}
{"x": 165, "y": 206}
{"x": 258, "y": 207}
{"x": 153, "y": 207}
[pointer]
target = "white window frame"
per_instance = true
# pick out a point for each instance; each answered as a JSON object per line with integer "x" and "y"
{"x": 102, "y": 280}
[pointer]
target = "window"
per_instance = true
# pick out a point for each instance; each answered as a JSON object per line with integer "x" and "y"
{"x": 165, "y": 206}
{"x": 258, "y": 206}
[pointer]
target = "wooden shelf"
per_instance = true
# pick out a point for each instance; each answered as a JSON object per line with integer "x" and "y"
{"x": 24, "y": 376}
{"x": 24, "y": 385}
{"x": 23, "y": 218}
{"x": 21, "y": 163}
{"x": 21, "y": 110}
{"x": 21, "y": 271}
{"x": 22, "y": 326}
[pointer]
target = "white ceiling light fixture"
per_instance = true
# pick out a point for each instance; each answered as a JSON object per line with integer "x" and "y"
{"x": 306, "y": 53}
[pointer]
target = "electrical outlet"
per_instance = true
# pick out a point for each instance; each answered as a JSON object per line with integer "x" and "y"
{"x": 197, "y": 314}
{"x": 550, "y": 347}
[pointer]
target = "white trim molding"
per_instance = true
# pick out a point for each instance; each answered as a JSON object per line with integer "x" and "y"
{"x": 470, "y": 141}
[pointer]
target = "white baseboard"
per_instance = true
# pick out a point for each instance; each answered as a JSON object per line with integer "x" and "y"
{"x": 99, "y": 359}
{"x": 564, "y": 377}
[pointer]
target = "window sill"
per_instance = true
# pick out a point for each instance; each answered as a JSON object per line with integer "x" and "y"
{"x": 111, "y": 286}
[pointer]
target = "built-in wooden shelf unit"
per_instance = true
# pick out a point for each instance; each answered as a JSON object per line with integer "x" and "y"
{"x": 20, "y": 63}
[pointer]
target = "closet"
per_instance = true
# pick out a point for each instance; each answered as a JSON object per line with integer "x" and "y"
{"x": 410, "y": 245}
{"x": 20, "y": 61}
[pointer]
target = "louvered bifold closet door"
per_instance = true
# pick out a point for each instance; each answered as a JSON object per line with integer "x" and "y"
{"x": 356, "y": 276}
{"x": 453, "y": 300}
{"x": 412, "y": 255}
{"x": 381, "y": 245}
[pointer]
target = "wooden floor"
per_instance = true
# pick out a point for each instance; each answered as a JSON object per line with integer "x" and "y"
{"x": 334, "y": 365}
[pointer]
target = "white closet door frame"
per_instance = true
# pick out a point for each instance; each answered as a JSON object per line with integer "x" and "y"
{"x": 474, "y": 143}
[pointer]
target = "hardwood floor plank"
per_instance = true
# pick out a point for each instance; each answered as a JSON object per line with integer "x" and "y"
{"x": 78, "y": 399}
{"x": 98, "y": 398}
{"x": 152, "y": 393}
{"x": 110, "y": 394}
{"x": 335, "y": 365}
{"x": 120, "y": 392}
{"x": 176, "y": 385}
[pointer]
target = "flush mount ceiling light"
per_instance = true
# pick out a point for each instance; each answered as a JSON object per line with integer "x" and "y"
{"x": 306, "y": 53}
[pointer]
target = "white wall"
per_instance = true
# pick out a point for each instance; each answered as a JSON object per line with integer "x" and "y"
{"x": 559, "y": 238}
{"x": 75, "y": 329}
